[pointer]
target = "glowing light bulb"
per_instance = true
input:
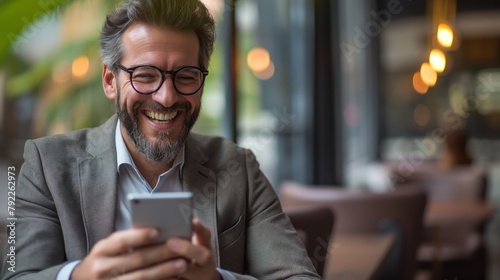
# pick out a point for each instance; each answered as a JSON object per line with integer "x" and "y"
{"x": 437, "y": 59}
{"x": 445, "y": 35}
{"x": 428, "y": 74}
{"x": 418, "y": 84}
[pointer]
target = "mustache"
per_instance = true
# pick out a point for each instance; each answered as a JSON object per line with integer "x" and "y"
{"x": 160, "y": 108}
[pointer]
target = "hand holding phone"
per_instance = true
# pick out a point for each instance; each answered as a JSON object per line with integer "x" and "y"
{"x": 170, "y": 212}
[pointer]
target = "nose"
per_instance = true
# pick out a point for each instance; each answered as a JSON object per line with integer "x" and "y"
{"x": 166, "y": 95}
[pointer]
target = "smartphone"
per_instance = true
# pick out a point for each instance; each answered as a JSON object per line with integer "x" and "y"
{"x": 170, "y": 212}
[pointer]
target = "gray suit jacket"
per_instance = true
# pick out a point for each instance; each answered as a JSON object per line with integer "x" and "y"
{"x": 67, "y": 198}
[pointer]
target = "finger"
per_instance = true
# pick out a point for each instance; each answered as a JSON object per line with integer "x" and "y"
{"x": 166, "y": 270}
{"x": 124, "y": 241}
{"x": 202, "y": 234}
{"x": 140, "y": 258}
{"x": 199, "y": 255}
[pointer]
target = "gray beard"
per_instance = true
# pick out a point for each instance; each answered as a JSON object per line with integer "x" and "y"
{"x": 166, "y": 149}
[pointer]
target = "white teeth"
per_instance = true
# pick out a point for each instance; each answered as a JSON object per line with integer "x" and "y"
{"x": 160, "y": 116}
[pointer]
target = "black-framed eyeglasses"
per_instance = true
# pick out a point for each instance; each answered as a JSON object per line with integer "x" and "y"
{"x": 146, "y": 79}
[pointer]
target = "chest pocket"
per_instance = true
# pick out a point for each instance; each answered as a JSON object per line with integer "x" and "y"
{"x": 234, "y": 234}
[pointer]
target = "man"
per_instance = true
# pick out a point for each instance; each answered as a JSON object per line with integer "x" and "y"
{"x": 73, "y": 219}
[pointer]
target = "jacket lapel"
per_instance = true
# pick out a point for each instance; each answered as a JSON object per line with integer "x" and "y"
{"x": 98, "y": 183}
{"x": 201, "y": 181}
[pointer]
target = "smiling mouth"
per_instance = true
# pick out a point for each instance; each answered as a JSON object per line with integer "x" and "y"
{"x": 161, "y": 118}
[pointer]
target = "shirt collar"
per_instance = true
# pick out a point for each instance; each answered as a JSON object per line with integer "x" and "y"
{"x": 123, "y": 155}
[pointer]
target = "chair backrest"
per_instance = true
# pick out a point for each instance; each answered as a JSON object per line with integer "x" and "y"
{"x": 360, "y": 211}
{"x": 314, "y": 226}
{"x": 457, "y": 183}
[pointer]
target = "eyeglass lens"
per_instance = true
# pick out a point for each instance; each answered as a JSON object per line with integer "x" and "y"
{"x": 146, "y": 79}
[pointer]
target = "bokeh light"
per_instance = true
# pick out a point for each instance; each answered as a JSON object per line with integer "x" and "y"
{"x": 258, "y": 59}
{"x": 80, "y": 66}
{"x": 418, "y": 84}
{"x": 437, "y": 60}
{"x": 267, "y": 73}
{"x": 422, "y": 115}
{"x": 445, "y": 35}
{"x": 428, "y": 74}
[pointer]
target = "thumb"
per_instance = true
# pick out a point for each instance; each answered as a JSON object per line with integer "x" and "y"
{"x": 201, "y": 234}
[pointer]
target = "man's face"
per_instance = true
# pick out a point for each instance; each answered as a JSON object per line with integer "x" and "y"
{"x": 156, "y": 125}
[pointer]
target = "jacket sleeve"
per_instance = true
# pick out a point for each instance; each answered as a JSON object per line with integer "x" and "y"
{"x": 39, "y": 250}
{"x": 273, "y": 249}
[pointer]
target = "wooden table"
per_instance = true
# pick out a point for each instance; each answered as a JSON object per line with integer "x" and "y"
{"x": 357, "y": 256}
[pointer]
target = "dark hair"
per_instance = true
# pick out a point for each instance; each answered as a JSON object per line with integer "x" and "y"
{"x": 175, "y": 14}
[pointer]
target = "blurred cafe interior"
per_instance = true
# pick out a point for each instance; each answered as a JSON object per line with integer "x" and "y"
{"x": 377, "y": 121}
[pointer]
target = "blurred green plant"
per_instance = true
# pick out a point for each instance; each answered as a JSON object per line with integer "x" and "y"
{"x": 74, "y": 104}
{"x": 18, "y": 15}
{"x": 79, "y": 102}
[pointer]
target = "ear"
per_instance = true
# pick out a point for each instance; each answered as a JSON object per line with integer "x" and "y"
{"x": 109, "y": 82}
